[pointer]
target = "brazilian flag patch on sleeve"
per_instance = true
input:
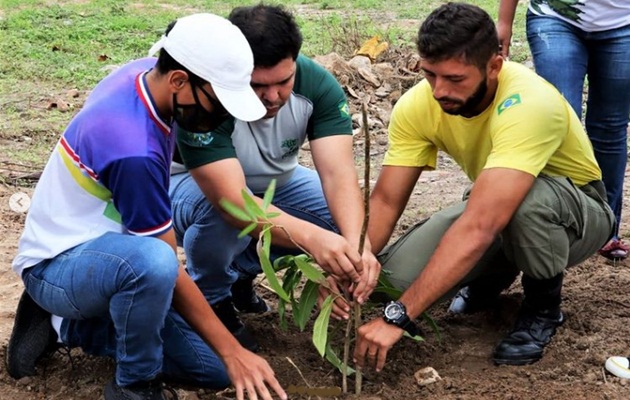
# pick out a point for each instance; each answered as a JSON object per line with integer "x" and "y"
{"x": 509, "y": 102}
{"x": 345, "y": 110}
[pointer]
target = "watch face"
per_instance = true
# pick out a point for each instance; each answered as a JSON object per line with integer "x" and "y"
{"x": 393, "y": 311}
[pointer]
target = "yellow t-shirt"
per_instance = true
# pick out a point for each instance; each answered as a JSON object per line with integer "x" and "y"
{"x": 528, "y": 127}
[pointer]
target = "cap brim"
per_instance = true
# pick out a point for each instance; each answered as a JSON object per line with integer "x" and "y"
{"x": 243, "y": 104}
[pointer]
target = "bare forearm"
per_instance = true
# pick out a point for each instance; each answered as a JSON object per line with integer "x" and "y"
{"x": 507, "y": 9}
{"x": 189, "y": 302}
{"x": 193, "y": 307}
{"x": 382, "y": 223}
{"x": 337, "y": 172}
{"x": 345, "y": 202}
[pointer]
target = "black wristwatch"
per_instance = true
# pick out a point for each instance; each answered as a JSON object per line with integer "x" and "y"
{"x": 395, "y": 313}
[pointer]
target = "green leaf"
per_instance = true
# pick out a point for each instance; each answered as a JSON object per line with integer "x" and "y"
{"x": 309, "y": 271}
{"x": 267, "y": 268}
{"x": 383, "y": 279}
{"x": 271, "y": 189}
{"x": 251, "y": 207}
{"x": 235, "y": 211}
{"x": 283, "y": 262}
{"x": 272, "y": 215}
{"x": 417, "y": 338}
{"x": 433, "y": 325}
{"x": 291, "y": 279}
{"x": 247, "y": 230}
{"x": 295, "y": 309}
{"x": 303, "y": 256}
{"x": 334, "y": 359}
{"x": 308, "y": 298}
{"x": 282, "y": 308}
{"x": 266, "y": 237}
{"x": 320, "y": 329}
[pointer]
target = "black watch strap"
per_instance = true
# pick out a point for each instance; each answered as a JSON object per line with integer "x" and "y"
{"x": 411, "y": 327}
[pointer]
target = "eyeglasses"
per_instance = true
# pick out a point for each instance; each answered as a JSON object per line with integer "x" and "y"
{"x": 217, "y": 107}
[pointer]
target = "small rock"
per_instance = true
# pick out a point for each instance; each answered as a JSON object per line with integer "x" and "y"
{"x": 383, "y": 69}
{"x": 375, "y": 123}
{"x": 187, "y": 395}
{"x": 383, "y": 91}
{"x": 25, "y": 381}
{"x": 367, "y": 74}
{"x": 582, "y": 346}
{"x": 426, "y": 376}
{"x": 360, "y": 62}
{"x": 334, "y": 63}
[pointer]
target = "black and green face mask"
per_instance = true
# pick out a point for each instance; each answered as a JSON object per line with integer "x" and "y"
{"x": 194, "y": 117}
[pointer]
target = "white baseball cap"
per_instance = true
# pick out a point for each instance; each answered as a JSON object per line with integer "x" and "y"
{"x": 215, "y": 50}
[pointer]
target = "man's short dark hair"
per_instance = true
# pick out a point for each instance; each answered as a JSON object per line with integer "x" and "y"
{"x": 458, "y": 30}
{"x": 166, "y": 63}
{"x": 271, "y": 32}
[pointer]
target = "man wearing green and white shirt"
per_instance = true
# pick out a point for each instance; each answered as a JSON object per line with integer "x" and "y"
{"x": 322, "y": 210}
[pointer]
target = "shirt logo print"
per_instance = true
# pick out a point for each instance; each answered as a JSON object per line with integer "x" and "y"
{"x": 290, "y": 147}
{"x": 509, "y": 102}
{"x": 345, "y": 110}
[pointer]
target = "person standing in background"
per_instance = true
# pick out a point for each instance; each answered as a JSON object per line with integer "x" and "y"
{"x": 574, "y": 39}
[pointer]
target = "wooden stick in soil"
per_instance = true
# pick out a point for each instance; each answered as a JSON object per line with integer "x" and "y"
{"x": 366, "y": 217}
{"x": 356, "y": 306}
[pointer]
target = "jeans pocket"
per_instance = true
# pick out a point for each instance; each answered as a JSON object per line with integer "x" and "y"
{"x": 53, "y": 298}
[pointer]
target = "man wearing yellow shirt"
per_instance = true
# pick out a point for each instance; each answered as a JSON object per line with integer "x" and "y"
{"x": 537, "y": 204}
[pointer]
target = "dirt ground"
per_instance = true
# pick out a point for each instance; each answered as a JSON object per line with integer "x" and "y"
{"x": 596, "y": 303}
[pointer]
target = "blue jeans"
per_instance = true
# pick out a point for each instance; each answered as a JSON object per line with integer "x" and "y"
{"x": 564, "y": 55}
{"x": 114, "y": 293}
{"x": 215, "y": 256}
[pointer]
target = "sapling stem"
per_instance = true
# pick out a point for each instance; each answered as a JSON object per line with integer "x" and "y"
{"x": 356, "y": 307}
{"x": 366, "y": 206}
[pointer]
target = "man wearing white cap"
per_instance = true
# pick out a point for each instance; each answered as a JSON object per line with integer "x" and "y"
{"x": 98, "y": 252}
{"x": 322, "y": 210}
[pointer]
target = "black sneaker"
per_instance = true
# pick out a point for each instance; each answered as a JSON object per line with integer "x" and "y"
{"x": 482, "y": 293}
{"x": 245, "y": 298}
{"x": 32, "y": 338}
{"x": 227, "y": 314}
{"x": 468, "y": 301}
{"x": 532, "y": 332}
{"x": 153, "y": 390}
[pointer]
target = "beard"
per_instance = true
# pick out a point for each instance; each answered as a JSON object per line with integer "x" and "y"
{"x": 467, "y": 107}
